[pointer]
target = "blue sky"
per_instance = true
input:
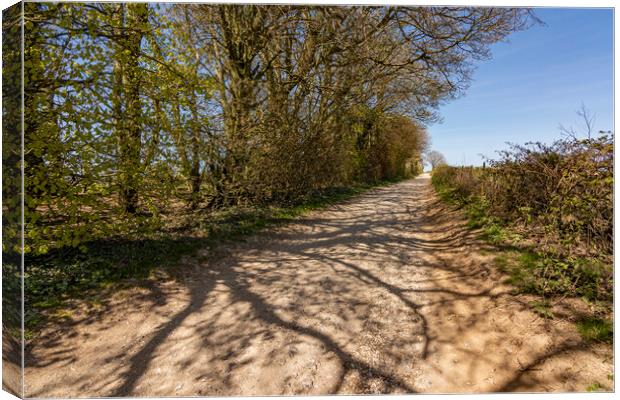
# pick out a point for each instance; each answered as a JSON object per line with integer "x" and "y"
{"x": 533, "y": 83}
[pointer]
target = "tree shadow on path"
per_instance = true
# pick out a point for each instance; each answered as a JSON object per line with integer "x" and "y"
{"x": 360, "y": 298}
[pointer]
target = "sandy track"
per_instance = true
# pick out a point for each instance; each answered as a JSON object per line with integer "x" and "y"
{"x": 385, "y": 293}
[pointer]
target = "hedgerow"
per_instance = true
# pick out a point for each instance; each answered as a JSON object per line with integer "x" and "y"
{"x": 557, "y": 199}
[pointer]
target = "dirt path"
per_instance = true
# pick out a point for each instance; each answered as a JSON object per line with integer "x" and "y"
{"x": 386, "y": 293}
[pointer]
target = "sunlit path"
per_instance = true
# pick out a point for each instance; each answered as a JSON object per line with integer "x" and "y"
{"x": 387, "y": 293}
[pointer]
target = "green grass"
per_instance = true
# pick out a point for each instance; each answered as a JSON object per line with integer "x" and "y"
{"x": 494, "y": 234}
{"x": 594, "y": 387}
{"x": 522, "y": 271}
{"x": 53, "y": 278}
{"x": 595, "y": 329}
{"x": 542, "y": 308}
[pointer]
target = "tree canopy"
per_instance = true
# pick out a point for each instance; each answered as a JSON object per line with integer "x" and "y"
{"x": 134, "y": 110}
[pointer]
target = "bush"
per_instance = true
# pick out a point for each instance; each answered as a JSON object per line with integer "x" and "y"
{"x": 564, "y": 189}
{"x": 461, "y": 182}
{"x": 559, "y": 198}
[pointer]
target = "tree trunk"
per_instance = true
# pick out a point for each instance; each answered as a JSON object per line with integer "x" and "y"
{"x": 127, "y": 92}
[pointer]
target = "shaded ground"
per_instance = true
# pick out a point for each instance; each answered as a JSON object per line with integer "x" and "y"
{"x": 11, "y": 363}
{"x": 385, "y": 293}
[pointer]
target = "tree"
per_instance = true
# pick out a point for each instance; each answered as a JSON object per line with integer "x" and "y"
{"x": 131, "y": 25}
{"x": 132, "y": 109}
{"x": 435, "y": 159}
{"x": 290, "y": 77}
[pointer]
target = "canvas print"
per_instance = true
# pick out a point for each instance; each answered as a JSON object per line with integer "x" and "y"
{"x": 298, "y": 199}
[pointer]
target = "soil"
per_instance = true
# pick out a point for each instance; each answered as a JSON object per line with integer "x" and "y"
{"x": 386, "y": 293}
